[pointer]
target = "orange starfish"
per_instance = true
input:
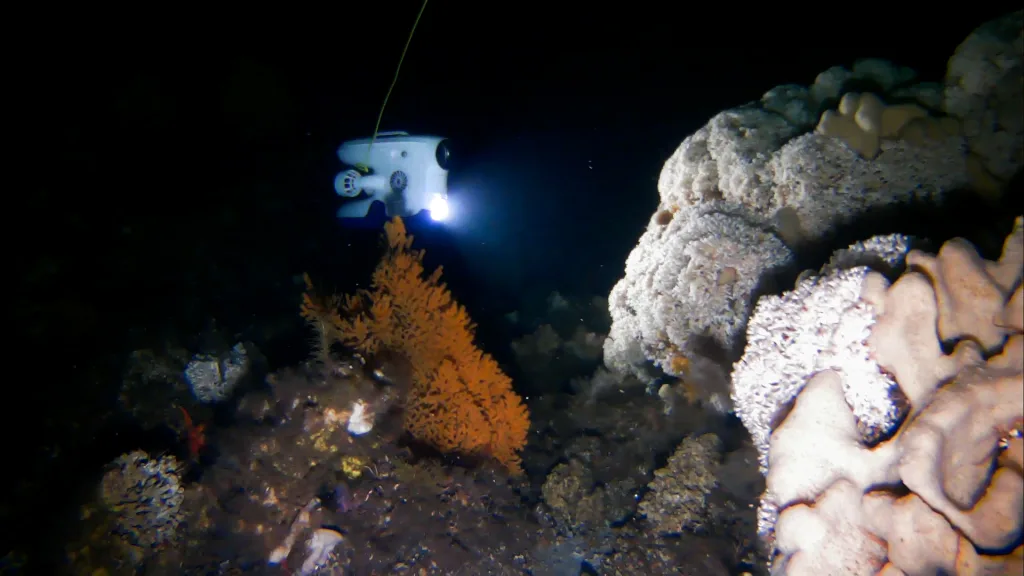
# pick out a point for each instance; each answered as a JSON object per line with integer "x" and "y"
{"x": 195, "y": 435}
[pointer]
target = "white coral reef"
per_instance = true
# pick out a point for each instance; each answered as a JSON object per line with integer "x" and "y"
{"x": 759, "y": 182}
{"x": 888, "y": 417}
{"x": 896, "y": 456}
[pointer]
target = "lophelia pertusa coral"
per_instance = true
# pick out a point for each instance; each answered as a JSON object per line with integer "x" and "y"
{"x": 460, "y": 400}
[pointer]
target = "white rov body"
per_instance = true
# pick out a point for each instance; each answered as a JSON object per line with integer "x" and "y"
{"x": 407, "y": 173}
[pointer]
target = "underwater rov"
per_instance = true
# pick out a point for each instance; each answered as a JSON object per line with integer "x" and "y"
{"x": 407, "y": 173}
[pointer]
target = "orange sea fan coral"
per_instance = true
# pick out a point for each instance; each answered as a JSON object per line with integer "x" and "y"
{"x": 469, "y": 407}
{"x": 460, "y": 400}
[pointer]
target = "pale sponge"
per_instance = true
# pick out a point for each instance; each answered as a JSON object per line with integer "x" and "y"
{"x": 923, "y": 479}
{"x": 864, "y": 120}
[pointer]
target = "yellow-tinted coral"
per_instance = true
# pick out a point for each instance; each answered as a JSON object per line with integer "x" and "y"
{"x": 460, "y": 400}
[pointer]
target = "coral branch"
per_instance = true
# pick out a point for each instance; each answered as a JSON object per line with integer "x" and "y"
{"x": 460, "y": 400}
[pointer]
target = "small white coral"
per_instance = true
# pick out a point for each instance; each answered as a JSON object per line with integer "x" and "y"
{"x": 362, "y": 419}
{"x": 823, "y": 324}
{"x": 890, "y": 250}
{"x": 319, "y": 548}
